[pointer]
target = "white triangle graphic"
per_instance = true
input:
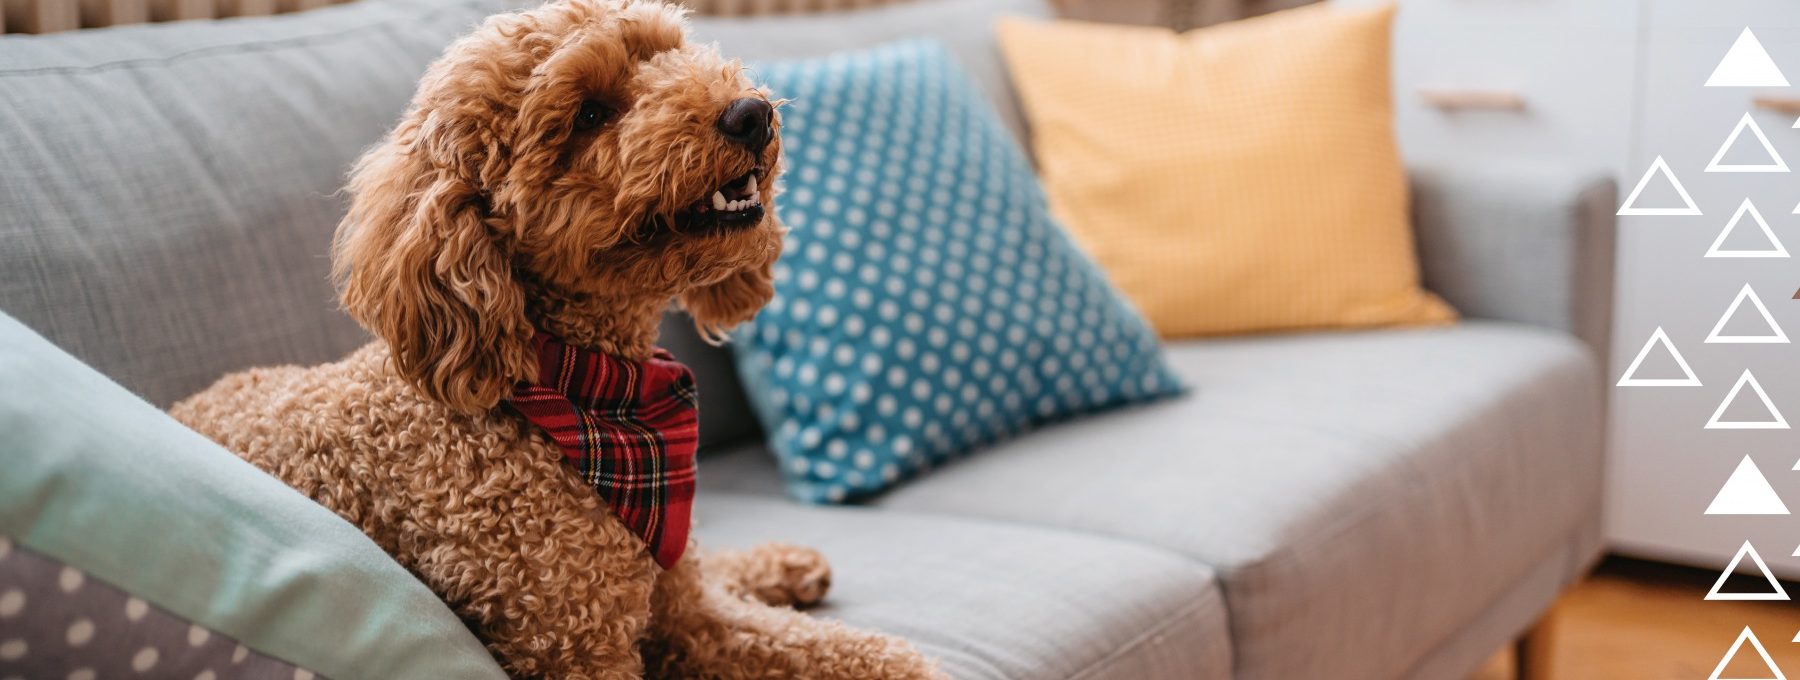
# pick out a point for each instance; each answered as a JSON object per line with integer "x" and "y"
{"x": 1746, "y": 64}
{"x": 1630, "y": 378}
{"x": 1775, "y": 248}
{"x": 1776, "y": 335}
{"x": 1658, "y": 166}
{"x": 1776, "y": 591}
{"x": 1747, "y": 492}
{"x": 1775, "y": 163}
{"x": 1735, "y": 646}
{"x": 1797, "y": 635}
{"x": 1776, "y": 423}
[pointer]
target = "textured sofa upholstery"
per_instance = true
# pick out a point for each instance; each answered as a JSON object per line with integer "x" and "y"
{"x": 1382, "y": 504}
{"x": 999, "y": 599}
{"x": 1358, "y": 493}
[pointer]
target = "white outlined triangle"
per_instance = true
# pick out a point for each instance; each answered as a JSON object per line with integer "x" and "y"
{"x": 1778, "y": 593}
{"x": 1747, "y": 492}
{"x": 1630, "y": 379}
{"x": 1746, "y": 64}
{"x": 1779, "y": 423}
{"x": 1746, "y": 294}
{"x": 1656, "y": 166}
{"x": 1775, "y": 164}
{"x": 1747, "y": 208}
{"x": 1777, "y": 336}
{"x": 1733, "y": 652}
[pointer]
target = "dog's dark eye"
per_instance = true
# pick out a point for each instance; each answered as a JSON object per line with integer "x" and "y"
{"x": 592, "y": 114}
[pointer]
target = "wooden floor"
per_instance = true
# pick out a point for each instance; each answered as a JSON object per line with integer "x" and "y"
{"x": 1642, "y": 621}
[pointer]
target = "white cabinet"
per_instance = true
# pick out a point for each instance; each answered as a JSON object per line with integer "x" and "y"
{"x": 1665, "y": 467}
{"x": 1567, "y": 64}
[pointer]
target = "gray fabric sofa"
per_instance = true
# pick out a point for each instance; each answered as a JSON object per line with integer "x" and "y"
{"x": 1381, "y": 504}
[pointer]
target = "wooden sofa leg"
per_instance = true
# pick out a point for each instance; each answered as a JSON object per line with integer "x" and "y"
{"x": 1534, "y": 651}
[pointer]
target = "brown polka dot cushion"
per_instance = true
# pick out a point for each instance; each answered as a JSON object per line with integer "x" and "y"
{"x": 57, "y": 622}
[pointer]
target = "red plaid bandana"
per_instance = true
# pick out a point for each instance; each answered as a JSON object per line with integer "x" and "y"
{"x": 629, "y": 427}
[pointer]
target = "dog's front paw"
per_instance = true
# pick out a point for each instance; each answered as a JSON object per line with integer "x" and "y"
{"x": 776, "y": 574}
{"x": 806, "y": 576}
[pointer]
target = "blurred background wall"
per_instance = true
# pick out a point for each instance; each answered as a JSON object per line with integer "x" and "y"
{"x": 46, "y": 16}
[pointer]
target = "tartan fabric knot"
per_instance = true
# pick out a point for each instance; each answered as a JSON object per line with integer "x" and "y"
{"x": 629, "y": 428}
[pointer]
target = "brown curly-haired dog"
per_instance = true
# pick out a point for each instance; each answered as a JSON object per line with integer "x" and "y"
{"x": 563, "y": 170}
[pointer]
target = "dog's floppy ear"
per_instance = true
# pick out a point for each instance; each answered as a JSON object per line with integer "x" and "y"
{"x": 418, "y": 265}
{"x": 719, "y": 306}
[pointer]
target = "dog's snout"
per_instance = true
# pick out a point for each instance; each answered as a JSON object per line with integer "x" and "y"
{"x": 746, "y": 123}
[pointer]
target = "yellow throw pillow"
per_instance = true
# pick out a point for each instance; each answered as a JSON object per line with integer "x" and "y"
{"x": 1237, "y": 178}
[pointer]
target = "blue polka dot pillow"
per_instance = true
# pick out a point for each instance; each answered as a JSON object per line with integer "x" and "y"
{"x": 926, "y": 303}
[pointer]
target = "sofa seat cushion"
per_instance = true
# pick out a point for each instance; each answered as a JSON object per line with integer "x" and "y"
{"x": 1361, "y": 495}
{"x": 994, "y": 600}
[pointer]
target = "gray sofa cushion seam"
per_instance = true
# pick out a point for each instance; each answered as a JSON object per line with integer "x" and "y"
{"x": 243, "y": 47}
{"x": 1192, "y": 609}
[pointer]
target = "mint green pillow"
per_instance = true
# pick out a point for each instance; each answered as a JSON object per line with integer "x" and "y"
{"x": 102, "y": 481}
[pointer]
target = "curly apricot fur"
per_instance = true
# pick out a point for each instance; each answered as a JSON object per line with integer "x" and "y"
{"x": 486, "y": 216}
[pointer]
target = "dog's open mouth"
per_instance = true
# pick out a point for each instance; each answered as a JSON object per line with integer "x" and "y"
{"x": 737, "y": 203}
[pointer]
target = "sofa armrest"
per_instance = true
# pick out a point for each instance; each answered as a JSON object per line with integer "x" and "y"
{"x": 1533, "y": 245}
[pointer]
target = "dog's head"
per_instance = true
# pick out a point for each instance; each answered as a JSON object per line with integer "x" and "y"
{"x": 570, "y": 168}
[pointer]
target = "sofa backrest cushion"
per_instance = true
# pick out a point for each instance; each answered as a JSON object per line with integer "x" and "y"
{"x": 168, "y": 191}
{"x": 964, "y": 28}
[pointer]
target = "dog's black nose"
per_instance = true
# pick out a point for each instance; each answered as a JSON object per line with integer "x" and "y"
{"x": 746, "y": 123}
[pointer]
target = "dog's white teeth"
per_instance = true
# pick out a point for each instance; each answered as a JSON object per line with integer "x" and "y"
{"x": 719, "y": 202}
{"x": 753, "y": 185}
